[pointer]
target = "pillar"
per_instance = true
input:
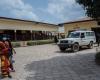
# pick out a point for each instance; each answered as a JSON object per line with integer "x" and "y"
{"x": 31, "y": 34}
{"x": 15, "y": 35}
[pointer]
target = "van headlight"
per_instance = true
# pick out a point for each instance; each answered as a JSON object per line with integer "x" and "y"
{"x": 70, "y": 41}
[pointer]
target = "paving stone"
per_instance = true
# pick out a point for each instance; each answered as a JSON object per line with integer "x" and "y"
{"x": 46, "y": 62}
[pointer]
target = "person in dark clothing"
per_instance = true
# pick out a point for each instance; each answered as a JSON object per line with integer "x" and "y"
{"x": 98, "y": 42}
{"x": 98, "y": 39}
{"x": 55, "y": 39}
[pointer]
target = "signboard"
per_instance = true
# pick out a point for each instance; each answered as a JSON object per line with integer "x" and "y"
{"x": 61, "y": 29}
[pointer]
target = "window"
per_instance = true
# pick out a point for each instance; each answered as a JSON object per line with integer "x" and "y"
{"x": 82, "y": 35}
{"x": 92, "y": 34}
{"x": 89, "y": 33}
{"x": 74, "y": 35}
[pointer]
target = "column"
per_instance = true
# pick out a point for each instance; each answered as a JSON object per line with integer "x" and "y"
{"x": 15, "y": 35}
{"x": 50, "y": 35}
{"x": 31, "y": 34}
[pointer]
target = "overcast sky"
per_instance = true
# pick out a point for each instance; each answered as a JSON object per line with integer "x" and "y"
{"x": 51, "y": 11}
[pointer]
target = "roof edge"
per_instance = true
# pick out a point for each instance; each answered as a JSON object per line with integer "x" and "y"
{"x": 77, "y": 21}
{"x": 27, "y": 21}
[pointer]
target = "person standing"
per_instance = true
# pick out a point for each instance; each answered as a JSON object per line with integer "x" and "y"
{"x": 5, "y": 63}
{"x": 98, "y": 39}
{"x": 10, "y": 55}
{"x": 55, "y": 39}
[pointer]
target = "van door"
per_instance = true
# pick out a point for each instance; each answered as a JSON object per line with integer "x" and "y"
{"x": 83, "y": 39}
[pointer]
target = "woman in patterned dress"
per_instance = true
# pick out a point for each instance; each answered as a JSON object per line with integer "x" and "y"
{"x": 4, "y": 60}
{"x": 11, "y": 51}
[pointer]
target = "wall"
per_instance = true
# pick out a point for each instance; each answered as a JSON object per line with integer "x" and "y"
{"x": 81, "y": 25}
{"x": 21, "y": 25}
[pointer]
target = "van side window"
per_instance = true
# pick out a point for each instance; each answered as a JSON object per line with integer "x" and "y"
{"x": 89, "y": 33}
{"x": 92, "y": 33}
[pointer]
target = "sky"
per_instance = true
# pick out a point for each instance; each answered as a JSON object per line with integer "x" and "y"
{"x": 49, "y": 11}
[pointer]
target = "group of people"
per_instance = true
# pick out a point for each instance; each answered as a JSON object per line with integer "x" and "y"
{"x": 6, "y": 56}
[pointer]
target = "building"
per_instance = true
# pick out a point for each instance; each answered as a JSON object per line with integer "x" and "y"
{"x": 87, "y": 24}
{"x": 21, "y": 30}
{"x": 61, "y": 31}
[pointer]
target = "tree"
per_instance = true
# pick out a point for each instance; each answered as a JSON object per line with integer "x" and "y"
{"x": 92, "y": 8}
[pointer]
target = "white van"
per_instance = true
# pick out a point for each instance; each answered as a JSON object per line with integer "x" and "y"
{"x": 76, "y": 39}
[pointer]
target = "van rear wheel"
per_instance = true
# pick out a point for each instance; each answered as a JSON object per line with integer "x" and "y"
{"x": 90, "y": 45}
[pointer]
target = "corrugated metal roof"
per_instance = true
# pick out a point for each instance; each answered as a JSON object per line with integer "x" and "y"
{"x": 27, "y": 21}
{"x": 80, "y": 20}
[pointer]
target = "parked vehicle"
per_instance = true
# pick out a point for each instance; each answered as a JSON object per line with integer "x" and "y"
{"x": 77, "y": 39}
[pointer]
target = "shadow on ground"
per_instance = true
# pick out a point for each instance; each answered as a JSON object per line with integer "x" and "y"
{"x": 67, "y": 51}
{"x": 71, "y": 67}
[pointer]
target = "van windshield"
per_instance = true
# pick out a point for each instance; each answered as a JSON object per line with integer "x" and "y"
{"x": 73, "y": 35}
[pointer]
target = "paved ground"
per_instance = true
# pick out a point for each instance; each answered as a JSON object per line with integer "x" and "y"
{"x": 46, "y": 62}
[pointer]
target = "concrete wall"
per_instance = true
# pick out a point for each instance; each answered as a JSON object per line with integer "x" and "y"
{"x": 21, "y": 25}
{"x": 81, "y": 25}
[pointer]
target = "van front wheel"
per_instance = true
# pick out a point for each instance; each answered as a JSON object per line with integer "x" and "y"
{"x": 75, "y": 47}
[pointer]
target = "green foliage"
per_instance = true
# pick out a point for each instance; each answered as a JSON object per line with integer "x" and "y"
{"x": 39, "y": 42}
{"x": 97, "y": 56}
{"x": 16, "y": 44}
{"x": 30, "y": 43}
{"x": 44, "y": 42}
{"x": 92, "y": 8}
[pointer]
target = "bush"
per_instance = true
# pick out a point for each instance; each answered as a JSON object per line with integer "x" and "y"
{"x": 97, "y": 58}
{"x": 31, "y": 43}
{"x": 39, "y": 42}
{"x": 44, "y": 42}
{"x": 16, "y": 44}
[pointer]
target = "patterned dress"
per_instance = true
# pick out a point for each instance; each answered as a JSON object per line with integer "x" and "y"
{"x": 4, "y": 60}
